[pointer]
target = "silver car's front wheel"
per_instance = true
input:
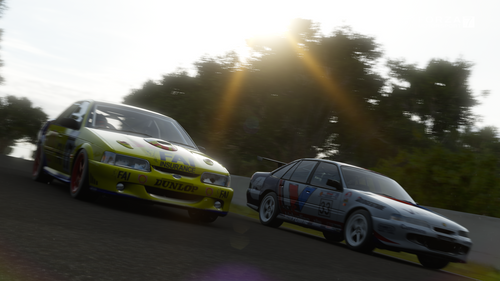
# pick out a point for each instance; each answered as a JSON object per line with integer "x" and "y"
{"x": 268, "y": 210}
{"x": 358, "y": 231}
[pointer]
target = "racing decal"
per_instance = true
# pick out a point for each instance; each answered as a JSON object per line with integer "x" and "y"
{"x": 209, "y": 191}
{"x": 176, "y": 158}
{"x": 176, "y": 186}
{"x": 330, "y": 195}
{"x": 325, "y": 207}
{"x": 123, "y": 175}
{"x": 297, "y": 200}
{"x": 68, "y": 150}
{"x": 142, "y": 179}
{"x": 161, "y": 144}
{"x": 188, "y": 162}
{"x": 177, "y": 167}
{"x": 223, "y": 194}
{"x": 386, "y": 228}
{"x": 346, "y": 198}
{"x": 124, "y": 143}
{"x": 369, "y": 203}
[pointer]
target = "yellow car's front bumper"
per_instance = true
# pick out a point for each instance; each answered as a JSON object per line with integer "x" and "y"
{"x": 160, "y": 187}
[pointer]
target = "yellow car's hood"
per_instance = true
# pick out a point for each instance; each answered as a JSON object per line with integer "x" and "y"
{"x": 160, "y": 153}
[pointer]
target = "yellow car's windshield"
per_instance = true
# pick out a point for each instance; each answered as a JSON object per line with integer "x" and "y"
{"x": 132, "y": 120}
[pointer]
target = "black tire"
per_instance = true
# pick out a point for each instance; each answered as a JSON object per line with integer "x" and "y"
{"x": 79, "y": 181}
{"x": 268, "y": 211}
{"x": 333, "y": 237}
{"x": 432, "y": 262}
{"x": 358, "y": 231}
{"x": 202, "y": 216}
{"x": 38, "y": 173}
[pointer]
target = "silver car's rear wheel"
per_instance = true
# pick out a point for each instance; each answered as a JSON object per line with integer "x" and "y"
{"x": 268, "y": 210}
{"x": 358, "y": 231}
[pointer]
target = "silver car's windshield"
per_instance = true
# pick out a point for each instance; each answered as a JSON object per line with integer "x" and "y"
{"x": 365, "y": 180}
{"x": 136, "y": 121}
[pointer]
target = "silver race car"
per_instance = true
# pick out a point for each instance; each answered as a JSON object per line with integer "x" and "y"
{"x": 362, "y": 207}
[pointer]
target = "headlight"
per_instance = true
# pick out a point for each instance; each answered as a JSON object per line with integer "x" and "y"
{"x": 215, "y": 179}
{"x": 125, "y": 161}
{"x": 463, "y": 233}
{"x": 398, "y": 217}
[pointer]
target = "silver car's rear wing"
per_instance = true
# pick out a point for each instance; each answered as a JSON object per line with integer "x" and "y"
{"x": 260, "y": 158}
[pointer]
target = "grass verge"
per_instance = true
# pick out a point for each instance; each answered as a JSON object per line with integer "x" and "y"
{"x": 472, "y": 270}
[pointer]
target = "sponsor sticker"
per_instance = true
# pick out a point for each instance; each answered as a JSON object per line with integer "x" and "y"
{"x": 177, "y": 167}
{"x": 223, "y": 194}
{"x": 123, "y": 175}
{"x": 176, "y": 185}
{"x": 330, "y": 195}
{"x": 142, "y": 179}
{"x": 209, "y": 191}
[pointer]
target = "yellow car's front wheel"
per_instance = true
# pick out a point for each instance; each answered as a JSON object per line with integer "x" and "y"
{"x": 79, "y": 186}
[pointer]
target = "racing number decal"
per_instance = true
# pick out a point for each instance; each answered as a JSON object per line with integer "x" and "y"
{"x": 325, "y": 207}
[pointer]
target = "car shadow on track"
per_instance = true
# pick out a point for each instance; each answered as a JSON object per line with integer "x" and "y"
{"x": 131, "y": 205}
{"x": 342, "y": 245}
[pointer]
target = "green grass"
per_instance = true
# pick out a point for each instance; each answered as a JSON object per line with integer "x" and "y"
{"x": 470, "y": 269}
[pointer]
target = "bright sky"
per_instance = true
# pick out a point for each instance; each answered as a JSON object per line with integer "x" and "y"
{"x": 56, "y": 52}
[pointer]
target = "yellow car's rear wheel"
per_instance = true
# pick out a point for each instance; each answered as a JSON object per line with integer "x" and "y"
{"x": 38, "y": 173}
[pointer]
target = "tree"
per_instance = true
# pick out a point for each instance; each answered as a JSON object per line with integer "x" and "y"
{"x": 302, "y": 94}
{"x": 19, "y": 120}
{"x": 438, "y": 96}
{"x": 463, "y": 180}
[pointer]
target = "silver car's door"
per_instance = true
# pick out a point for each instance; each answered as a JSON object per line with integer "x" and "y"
{"x": 326, "y": 199}
{"x": 294, "y": 191}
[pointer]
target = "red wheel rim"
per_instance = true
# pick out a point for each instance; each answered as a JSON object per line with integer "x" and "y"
{"x": 76, "y": 175}
{"x": 36, "y": 164}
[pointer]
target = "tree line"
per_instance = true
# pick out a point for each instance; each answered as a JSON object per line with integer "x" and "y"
{"x": 308, "y": 95}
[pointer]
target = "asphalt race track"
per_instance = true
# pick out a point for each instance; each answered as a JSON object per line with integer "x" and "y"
{"x": 47, "y": 235}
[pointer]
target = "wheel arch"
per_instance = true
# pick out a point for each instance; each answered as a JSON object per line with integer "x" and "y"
{"x": 263, "y": 194}
{"x": 349, "y": 213}
{"x": 87, "y": 148}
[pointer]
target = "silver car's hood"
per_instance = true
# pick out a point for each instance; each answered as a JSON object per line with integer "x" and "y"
{"x": 411, "y": 211}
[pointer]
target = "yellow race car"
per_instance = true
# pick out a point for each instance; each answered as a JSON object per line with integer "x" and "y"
{"x": 100, "y": 147}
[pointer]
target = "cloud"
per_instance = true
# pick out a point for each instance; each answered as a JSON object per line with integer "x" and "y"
{"x": 19, "y": 45}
